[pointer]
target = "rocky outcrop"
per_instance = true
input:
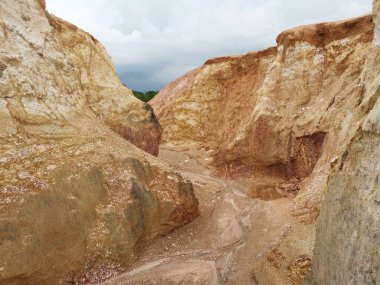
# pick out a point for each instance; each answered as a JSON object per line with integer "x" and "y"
{"x": 347, "y": 248}
{"x": 53, "y": 65}
{"x": 307, "y": 110}
{"x": 284, "y": 111}
{"x": 78, "y": 202}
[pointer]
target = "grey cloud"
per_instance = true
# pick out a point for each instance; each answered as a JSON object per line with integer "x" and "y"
{"x": 154, "y": 41}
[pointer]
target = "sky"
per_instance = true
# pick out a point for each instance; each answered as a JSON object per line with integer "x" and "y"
{"x": 152, "y": 42}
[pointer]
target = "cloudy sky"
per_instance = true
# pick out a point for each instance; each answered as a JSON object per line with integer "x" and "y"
{"x": 152, "y": 42}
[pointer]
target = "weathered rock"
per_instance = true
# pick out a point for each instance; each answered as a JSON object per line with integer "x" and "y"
{"x": 285, "y": 111}
{"x": 236, "y": 240}
{"x": 52, "y": 69}
{"x": 78, "y": 202}
{"x": 347, "y": 249}
{"x": 308, "y": 109}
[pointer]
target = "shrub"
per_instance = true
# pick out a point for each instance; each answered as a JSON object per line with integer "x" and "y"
{"x": 145, "y": 97}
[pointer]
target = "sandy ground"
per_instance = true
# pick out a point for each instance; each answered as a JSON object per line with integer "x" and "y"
{"x": 237, "y": 239}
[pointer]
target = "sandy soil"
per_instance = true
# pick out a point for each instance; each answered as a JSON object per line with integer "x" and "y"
{"x": 237, "y": 239}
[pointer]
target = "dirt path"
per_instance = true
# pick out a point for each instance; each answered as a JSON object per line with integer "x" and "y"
{"x": 236, "y": 240}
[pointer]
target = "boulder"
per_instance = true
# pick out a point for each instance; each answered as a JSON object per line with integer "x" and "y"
{"x": 78, "y": 201}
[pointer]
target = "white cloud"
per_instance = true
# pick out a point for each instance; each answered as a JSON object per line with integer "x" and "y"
{"x": 154, "y": 41}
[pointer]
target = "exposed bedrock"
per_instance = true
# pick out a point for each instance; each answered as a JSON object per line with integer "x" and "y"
{"x": 284, "y": 111}
{"x": 78, "y": 202}
{"x": 347, "y": 248}
{"x": 80, "y": 199}
{"x": 50, "y": 69}
{"x": 308, "y": 111}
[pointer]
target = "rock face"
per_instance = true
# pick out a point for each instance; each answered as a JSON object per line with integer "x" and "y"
{"x": 284, "y": 111}
{"x": 347, "y": 249}
{"x": 49, "y": 66}
{"x": 78, "y": 202}
{"x": 307, "y": 110}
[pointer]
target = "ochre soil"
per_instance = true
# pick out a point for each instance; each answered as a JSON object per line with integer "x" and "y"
{"x": 245, "y": 233}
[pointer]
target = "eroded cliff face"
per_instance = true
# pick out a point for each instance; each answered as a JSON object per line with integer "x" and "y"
{"x": 347, "y": 248}
{"x": 284, "y": 111}
{"x": 78, "y": 201}
{"x": 308, "y": 111}
{"x": 52, "y": 69}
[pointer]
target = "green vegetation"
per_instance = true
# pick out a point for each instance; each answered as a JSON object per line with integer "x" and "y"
{"x": 145, "y": 97}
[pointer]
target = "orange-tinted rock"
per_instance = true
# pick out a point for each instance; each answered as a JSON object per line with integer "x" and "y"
{"x": 78, "y": 202}
{"x": 106, "y": 96}
{"x": 347, "y": 247}
{"x": 80, "y": 73}
{"x": 285, "y": 110}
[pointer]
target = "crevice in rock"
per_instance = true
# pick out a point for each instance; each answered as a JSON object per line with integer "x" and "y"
{"x": 2, "y": 68}
{"x": 305, "y": 153}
